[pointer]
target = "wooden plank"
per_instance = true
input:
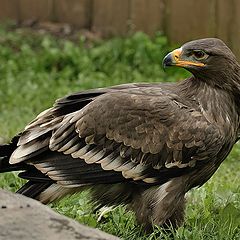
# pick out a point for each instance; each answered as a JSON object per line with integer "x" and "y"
{"x": 147, "y": 16}
{"x": 228, "y": 25}
{"x": 75, "y": 12}
{"x": 234, "y": 25}
{"x": 224, "y": 14}
{"x": 8, "y": 10}
{"x": 35, "y": 9}
{"x": 110, "y": 17}
{"x": 187, "y": 20}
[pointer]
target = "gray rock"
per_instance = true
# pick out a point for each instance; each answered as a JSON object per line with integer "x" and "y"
{"x": 25, "y": 218}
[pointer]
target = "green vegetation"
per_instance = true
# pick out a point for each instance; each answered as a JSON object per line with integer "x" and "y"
{"x": 35, "y": 70}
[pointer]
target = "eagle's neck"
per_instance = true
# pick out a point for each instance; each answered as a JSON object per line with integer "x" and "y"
{"x": 217, "y": 104}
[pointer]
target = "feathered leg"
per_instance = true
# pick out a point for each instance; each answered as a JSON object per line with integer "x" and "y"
{"x": 163, "y": 206}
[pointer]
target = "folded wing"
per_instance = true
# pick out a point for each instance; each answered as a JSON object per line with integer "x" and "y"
{"x": 143, "y": 134}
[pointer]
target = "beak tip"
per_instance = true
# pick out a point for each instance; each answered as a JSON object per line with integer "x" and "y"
{"x": 167, "y": 61}
{"x": 163, "y": 65}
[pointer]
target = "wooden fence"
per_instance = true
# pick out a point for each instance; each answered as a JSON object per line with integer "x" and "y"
{"x": 180, "y": 20}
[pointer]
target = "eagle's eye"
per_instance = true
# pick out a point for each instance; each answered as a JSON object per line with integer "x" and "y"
{"x": 199, "y": 54}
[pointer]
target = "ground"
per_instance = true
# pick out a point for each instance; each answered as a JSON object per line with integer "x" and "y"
{"x": 36, "y": 69}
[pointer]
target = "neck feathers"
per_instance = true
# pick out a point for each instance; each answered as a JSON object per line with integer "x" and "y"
{"x": 216, "y": 104}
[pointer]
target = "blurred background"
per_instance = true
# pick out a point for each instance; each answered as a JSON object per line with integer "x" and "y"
{"x": 179, "y": 20}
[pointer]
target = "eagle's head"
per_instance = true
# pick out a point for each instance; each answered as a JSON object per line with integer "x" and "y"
{"x": 207, "y": 59}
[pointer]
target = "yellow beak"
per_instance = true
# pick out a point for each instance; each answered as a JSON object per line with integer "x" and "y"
{"x": 174, "y": 59}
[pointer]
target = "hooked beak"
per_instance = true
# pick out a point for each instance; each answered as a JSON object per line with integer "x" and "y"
{"x": 174, "y": 58}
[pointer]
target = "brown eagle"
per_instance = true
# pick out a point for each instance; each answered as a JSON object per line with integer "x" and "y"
{"x": 143, "y": 145}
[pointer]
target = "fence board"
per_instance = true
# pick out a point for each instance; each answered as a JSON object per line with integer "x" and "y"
{"x": 75, "y": 12}
{"x": 180, "y": 20}
{"x": 235, "y": 28}
{"x": 147, "y": 15}
{"x": 35, "y": 9}
{"x": 8, "y": 9}
{"x": 224, "y": 14}
{"x": 110, "y": 17}
{"x": 187, "y": 20}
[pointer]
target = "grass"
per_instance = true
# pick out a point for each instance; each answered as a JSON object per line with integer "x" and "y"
{"x": 35, "y": 70}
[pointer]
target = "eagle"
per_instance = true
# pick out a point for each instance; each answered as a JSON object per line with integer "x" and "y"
{"x": 142, "y": 145}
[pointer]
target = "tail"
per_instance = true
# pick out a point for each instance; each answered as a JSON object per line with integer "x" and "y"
{"x": 36, "y": 184}
{"x": 6, "y": 151}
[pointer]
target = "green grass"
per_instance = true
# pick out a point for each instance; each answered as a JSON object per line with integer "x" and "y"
{"x": 35, "y": 70}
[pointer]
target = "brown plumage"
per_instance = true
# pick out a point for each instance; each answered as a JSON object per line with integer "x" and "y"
{"x": 144, "y": 145}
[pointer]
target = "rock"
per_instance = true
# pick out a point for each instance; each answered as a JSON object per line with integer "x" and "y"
{"x": 25, "y": 218}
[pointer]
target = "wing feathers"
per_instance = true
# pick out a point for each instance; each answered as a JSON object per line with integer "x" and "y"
{"x": 29, "y": 150}
{"x": 139, "y": 134}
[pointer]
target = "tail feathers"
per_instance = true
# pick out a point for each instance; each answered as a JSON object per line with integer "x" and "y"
{"x": 6, "y": 167}
{"x": 56, "y": 192}
{"x": 39, "y": 186}
{"x": 46, "y": 192}
{"x": 6, "y": 151}
{"x": 33, "y": 189}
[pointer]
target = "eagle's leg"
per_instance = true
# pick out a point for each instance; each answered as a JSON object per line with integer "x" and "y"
{"x": 177, "y": 218}
{"x": 163, "y": 206}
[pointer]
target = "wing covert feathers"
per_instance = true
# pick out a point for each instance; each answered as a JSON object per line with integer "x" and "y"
{"x": 139, "y": 134}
